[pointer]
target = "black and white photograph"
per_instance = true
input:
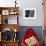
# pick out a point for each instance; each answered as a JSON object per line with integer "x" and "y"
{"x": 29, "y": 13}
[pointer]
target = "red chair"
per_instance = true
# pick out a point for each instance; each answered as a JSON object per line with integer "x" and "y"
{"x": 29, "y": 33}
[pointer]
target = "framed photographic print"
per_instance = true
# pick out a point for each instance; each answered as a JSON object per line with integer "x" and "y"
{"x": 5, "y": 12}
{"x": 29, "y": 13}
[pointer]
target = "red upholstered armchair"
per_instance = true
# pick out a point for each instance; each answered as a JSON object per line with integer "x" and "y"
{"x": 30, "y": 39}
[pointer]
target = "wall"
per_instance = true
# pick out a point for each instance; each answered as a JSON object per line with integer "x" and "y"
{"x": 7, "y": 3}
{"x": 39, "y": 13}
{"x": 27, "y": 4}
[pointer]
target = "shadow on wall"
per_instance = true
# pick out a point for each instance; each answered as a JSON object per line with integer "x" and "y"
{"x": 37, "y": 29}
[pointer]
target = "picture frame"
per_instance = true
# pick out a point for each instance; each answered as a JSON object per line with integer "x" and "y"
{"x": 13, "y": 12}
{"x": 29, "y": 13}
{"x": 5, "y": 12}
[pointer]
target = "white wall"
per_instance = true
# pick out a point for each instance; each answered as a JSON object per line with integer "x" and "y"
{"x": 27, "y": 4}
{"x": 7, "y": 3}
{"x": 39, "y": 12}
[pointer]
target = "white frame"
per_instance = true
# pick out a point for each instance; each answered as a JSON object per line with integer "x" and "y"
{"x": 29, "y": 17}
{"x": 3, "y": 12}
